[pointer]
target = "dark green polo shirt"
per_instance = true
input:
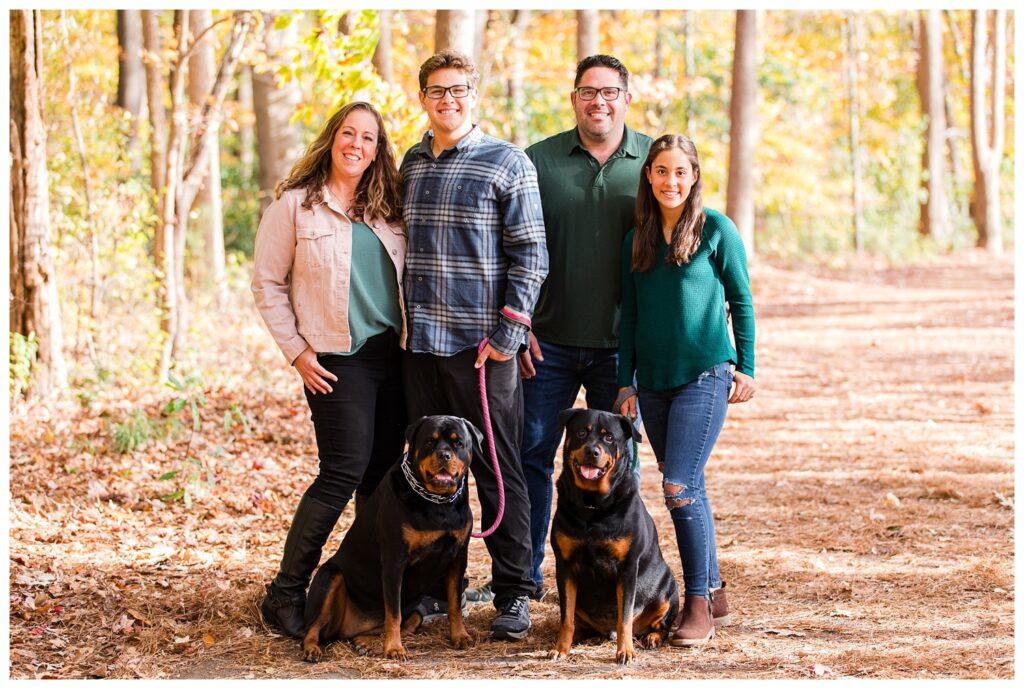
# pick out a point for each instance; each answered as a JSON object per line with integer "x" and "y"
{"x": 588, "y": 209}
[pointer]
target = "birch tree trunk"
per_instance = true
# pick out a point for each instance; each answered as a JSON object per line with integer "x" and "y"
{"x": 935, "y": 219}
{"x": 207, "y": 207}
{"x": 988, "y": 126}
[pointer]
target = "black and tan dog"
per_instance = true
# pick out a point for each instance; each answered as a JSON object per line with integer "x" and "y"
{"x": 611, "y": 574}
{"x": 413, "y": 530}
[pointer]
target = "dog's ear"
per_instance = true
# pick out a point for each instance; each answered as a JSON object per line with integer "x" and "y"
{"x": 566, "y": 415}
{"x": 410, "y": 432}
{"x": 629, "y": 429}
{"x": 476, "y": 438}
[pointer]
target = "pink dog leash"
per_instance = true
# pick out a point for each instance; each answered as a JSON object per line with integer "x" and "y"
{"x": 490, "y": 442}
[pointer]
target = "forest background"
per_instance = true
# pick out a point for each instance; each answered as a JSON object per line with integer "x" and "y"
{"x": 145, "y": 145}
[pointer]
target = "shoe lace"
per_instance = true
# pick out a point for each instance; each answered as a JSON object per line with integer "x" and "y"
{"x": 514, "y": 607}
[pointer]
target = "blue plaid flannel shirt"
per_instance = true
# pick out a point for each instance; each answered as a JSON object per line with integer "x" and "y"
{"x": 477, "y": 251}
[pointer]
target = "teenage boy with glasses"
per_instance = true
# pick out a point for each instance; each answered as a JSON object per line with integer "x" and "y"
{"x": 475, "y": 262}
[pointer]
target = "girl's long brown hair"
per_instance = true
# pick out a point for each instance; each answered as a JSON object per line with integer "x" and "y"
{"x": 687, "y": 233}
{"x": 379, "y": 192}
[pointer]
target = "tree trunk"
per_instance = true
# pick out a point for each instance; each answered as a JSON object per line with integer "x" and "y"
{"x": 207, "y": 206}
{"x": 934, "y": 220}
{"x": 481, "y": 18}
{"x": 382, "y": 53}
{"x": 157, "y": 118}
{"x": 131, "y": 77}
{"x": 987, "y": 128}
{"x": 246, "y": 130}
{"x": 184, "y": 172}
{"x": 455, "y": 30}
{"x": 588, "y": 35}
{"x": 278, "y": 142}
{"x": 659, "y": 47}
{"x": 689, "y": 70}
{"x": 851, "y": 29}
{"x": 743, "y": 128}
{"x": 516, "y": 79}
{"x": 34, "y": 304}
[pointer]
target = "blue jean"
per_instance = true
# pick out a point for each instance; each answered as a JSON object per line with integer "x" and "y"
{"x": 682, "y": 425}
{"x": 553, "y": 389}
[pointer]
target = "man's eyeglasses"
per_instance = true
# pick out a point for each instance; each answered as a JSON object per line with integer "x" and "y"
{"x": 609, "y": 93}
{"x": 437, "y": 92}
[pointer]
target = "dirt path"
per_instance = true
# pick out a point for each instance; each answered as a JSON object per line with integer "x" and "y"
{"x": 864, "y": 504}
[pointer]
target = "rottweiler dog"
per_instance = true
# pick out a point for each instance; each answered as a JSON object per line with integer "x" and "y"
{"x": 610, "y": 570}
{"x": 412, "y": 530}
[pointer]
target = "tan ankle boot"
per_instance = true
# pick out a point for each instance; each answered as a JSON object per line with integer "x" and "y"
{"x": 695, "y": 626}
{"x": 720, "y": 607}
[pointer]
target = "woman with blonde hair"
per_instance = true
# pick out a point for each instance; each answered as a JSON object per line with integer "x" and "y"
{"x": 680, "y": 265}
{"x": 327, "y": 281}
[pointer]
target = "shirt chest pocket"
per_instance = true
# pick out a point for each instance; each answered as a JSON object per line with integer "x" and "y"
{"x": 474, "y": 193}
{"x": 314, "y": 245}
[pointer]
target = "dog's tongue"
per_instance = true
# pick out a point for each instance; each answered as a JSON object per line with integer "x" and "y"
{"x": 590, "y": 472}
{"x": 443, "y": 476}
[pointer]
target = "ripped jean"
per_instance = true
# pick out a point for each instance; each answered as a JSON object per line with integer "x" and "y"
{"x": 682, "y": 426}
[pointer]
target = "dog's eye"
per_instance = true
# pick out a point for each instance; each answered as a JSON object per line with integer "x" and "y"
{"x": 581, "y": 433}
{"x": 457, "y": 444}
{"x": 609, "y": 438}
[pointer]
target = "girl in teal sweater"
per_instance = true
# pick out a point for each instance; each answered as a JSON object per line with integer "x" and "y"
{"x": 680, "y": 266}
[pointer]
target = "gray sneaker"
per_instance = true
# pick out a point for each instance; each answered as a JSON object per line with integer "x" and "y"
{"x": 513, "y": 620}
{"x": 481, "y": 594}
{"x": 431, "y": 608}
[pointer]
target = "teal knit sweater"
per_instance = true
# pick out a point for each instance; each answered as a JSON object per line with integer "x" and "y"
{"x": 674, "y": 324}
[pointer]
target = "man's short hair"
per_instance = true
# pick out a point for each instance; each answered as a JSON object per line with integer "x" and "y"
{"x": 598, "y": 61}
{"x": 449, "y": 59}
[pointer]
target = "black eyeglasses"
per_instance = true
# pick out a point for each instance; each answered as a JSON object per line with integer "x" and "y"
{"x": 590, "y": 93}
{"x": 437, "y": 92}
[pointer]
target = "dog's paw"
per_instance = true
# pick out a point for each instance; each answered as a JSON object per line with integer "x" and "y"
{"x": 558, "y": 654}
{"x": 396, "y": 653}
{"x": 312, "y": 653}
{"x": 462, "y": 641}
{"x": 653, "y": 640}
{"x": 625, "y": 654}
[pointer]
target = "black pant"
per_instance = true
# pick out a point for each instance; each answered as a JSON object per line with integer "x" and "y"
{"x": 449, "y": 385}
{"x": 360, "y": 424}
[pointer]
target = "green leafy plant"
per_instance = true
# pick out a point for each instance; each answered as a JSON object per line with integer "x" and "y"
{"x": 133, "y": 432}
{"x": 183, "y": 410}
{"x": 23, "y": 353}
{"x": 234, "y": 416}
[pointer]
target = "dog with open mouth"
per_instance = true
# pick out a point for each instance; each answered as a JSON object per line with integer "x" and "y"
{"x": 412, "y": 530}
{"x": 611, "y": 574}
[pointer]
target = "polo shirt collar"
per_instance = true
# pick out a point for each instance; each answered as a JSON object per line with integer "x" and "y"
{"x": 629, "y": 146}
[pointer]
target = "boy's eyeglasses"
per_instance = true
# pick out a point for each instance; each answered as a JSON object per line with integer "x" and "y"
{"x": 437, "y": 92}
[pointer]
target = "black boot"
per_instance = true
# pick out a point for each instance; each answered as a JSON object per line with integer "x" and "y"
{"x": 285, "y": 602}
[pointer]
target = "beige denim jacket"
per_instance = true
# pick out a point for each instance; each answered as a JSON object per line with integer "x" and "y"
{"x": 302, "y": 264}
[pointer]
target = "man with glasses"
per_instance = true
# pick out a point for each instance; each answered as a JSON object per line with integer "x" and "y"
{"x": 588, "y": 180}
{"x": 475, "y": 262}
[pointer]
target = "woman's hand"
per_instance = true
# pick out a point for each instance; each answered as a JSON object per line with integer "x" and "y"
{"x": 628, "y": 406}
{"x": 313, "y": 374}
{"x": 743, "y": 387}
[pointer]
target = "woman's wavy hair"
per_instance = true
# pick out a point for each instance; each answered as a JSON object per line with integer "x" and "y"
{"x": 687, "y": 233}
{"x": 379, "y": 192}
